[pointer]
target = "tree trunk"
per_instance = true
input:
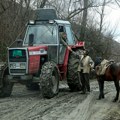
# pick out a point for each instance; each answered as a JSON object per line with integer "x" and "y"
{"x": 84, "y": 21}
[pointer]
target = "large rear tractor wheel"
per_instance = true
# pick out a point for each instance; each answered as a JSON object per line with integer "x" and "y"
{"x": 5, "y": 86}
{"x": 73, "y": 78}
{"x": 49, "y": 80}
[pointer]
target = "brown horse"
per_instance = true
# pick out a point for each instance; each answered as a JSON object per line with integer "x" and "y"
{"x": 112, "y": 73}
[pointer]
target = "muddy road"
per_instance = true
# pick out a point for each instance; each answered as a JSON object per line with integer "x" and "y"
{"x": 29, "y": 105}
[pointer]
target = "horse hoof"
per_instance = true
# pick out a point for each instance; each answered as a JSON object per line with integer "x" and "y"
{"x": 99, "y": 98}
{"x": 114, "y": 101}
{"x": 103, "y": 96}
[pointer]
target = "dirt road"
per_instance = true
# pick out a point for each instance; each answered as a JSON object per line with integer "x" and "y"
{"x": 29, "y": 105}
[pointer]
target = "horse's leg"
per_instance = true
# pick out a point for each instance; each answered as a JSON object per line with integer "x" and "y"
{"x": 116, "y": 82}
{"x": 101, "y": 88}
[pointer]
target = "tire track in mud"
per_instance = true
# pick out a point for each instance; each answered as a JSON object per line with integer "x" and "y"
{"x": 29, "y": 105}
{"x": 101, "y": 109}
{"x": 58, "y": 108}
{"x": 113, "y": 115}
{"x": 91, "y": 108}
{"x": 81, "y": 112}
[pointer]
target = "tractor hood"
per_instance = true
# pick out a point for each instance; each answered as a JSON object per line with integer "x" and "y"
{"x": 35, "y": 54}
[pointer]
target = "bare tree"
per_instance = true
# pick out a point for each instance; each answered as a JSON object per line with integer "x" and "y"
{"x": 84, "y": 21}
{"x": 118, "y": 2}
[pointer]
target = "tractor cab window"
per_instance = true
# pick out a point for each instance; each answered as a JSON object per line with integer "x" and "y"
{"x": 42, "y": 34}
{"x": 70, "y": 37}
{"x": 65, "y": 33}
{"x": 62, "y": 35}
{"x": 62, "y": 47}
{"x": 65, "y": 37}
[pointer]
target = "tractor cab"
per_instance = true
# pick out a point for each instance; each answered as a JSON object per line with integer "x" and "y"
{"x": 48, "y": 33}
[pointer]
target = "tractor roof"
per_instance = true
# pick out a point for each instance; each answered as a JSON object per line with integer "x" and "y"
{"x": 49, "y": 14}
{"x": 46, "y": 14}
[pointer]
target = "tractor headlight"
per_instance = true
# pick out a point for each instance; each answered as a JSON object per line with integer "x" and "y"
{"x": 31, "y": 22}
{"x": 22, "y": 65}
{"x": 17, "y": 65}
{"x": 12, "y": 65}
{"x": 51, "y": 21}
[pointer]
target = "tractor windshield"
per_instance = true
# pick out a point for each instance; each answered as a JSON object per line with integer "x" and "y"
{"x": 43, "y": 34}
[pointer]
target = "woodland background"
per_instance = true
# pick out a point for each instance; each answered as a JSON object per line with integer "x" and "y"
{"x": 99, "y": 39}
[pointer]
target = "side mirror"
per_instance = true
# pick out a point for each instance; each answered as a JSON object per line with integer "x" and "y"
{"x": 16, "y": 43}
{"x": 31, "y": 39}
{"x": 19, "y": 42}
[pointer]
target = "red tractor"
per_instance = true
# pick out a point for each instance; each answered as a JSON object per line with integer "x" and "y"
{"x": 40, "y": 61}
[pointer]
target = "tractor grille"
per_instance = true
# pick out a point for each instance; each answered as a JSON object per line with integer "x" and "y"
{"x": 17, "y": 71}
{"x": 17, "y": 61}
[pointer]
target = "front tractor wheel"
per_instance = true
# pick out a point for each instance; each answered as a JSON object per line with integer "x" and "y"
{"x": 49, "y": 80}
{"x": 73, "y": 78}
{"x": 5, "y": 88}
